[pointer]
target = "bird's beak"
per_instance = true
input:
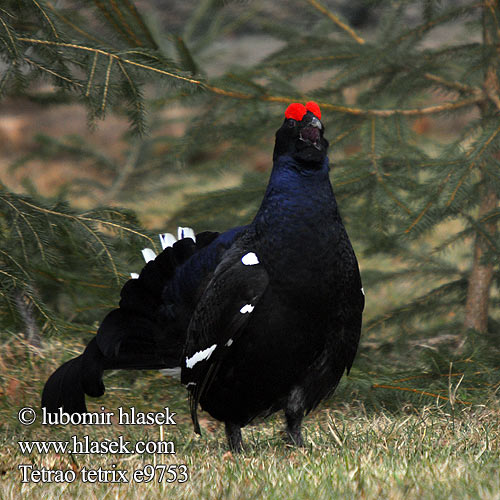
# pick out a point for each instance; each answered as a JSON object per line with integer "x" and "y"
{"x": 316, "y": 123}
{"x": 311, "y": 132}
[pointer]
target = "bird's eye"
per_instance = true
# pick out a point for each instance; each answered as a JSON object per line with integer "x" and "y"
{"x": 292, "y": 123}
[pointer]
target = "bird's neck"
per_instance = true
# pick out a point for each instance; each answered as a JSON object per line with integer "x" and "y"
{"x": 298, "y": 229}
{"x": 297, "y": 198}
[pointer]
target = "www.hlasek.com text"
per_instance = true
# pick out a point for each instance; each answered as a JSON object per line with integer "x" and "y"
{"x": 86, "y": 446}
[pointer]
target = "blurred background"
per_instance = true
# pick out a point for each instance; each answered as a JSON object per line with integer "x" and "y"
{"x": 122, "y": 119}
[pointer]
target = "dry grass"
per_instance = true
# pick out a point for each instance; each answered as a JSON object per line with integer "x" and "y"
{"x": 426, "y": 451}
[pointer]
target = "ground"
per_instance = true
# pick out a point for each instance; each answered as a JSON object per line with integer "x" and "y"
{"x": 430, "y": 449}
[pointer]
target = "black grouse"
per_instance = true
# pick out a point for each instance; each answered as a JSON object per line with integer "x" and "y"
{"x": 260, "y": 318}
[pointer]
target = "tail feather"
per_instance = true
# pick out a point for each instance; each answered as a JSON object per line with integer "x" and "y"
{"x": 143, "y": 333}
{"x": 129, "y": 340}
{"x": 92, "y": 368}
{"x": 67, "y": 386}
{"x": 65, "y": 389}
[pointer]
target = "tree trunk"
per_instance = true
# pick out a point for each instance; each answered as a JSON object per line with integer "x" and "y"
{"x": 25, "y": 309}
{"x": 481, "y": 276}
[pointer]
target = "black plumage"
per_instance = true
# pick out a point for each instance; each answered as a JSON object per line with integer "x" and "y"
{"x": 260, "y": 318}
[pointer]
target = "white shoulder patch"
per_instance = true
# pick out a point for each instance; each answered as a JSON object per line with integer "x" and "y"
{"x": 250, "y": 259}
{"x": 185, "y": 232}
{"x": 362, "y": 290}
{"x": 247, "y": 308}
{"x": 167, "y": 240}
{"x": 134, "y": 276}
{"x": 200, "y": 356}
{"x": 148, "y": 254}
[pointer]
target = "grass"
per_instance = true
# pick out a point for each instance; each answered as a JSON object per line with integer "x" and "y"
{"x": 428, "y": 448}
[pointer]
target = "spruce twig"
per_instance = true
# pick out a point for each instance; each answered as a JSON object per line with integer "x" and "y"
{"x": 319, "y": 6}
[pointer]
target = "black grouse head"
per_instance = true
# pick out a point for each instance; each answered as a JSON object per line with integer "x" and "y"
{"x": 301, "y": 135}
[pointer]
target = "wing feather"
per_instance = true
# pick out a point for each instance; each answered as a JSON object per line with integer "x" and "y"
{"x": 220, "y": 317}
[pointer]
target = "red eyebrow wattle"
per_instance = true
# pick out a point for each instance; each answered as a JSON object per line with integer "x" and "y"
{"x": 295, "y": 111}
{"x": 313, "y": 107}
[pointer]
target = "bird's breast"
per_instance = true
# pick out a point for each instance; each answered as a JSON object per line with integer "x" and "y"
{"x": 303, "y": 264}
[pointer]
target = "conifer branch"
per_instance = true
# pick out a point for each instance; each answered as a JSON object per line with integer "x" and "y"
{"x": 440, "y": 108}
{"x": 51, "y": 72}
{"x": 318, "y": 6}
{"x": 47, "y": 18}
{"x": 419, "y": 303}
{"x": 345, "y": 134}
{"x": 391, "y": 195}
{"x": 428, "y": 110}
{"x": 77, "y": 328}
{"x": 110, "y": 54}
{"x": 302, "y": 60}
{"x": 21, "y": 239}
{"x": 132, "y": 86}
{"x": 11, "y": 276}
{"x": 490, "y": 6}
{"x": 73, "y": 26}
{"x": 124, "y": 23}
{"x": 424, "y": 393}
{"x": 5, "y": 79}
{"x": 103, "y": 245}
{"x": 162, "y": 72}
{"x": 355, "y": 180}
{"x": 106, "y": 84}
{"x": 113, "y": 225}
{"x": 492, "y": 86}
{"x": 133, "y": 10}
{"x": 9, "y": 34}
{"x": 124, "y": 173}
{"x": 471, "y": 166}
{"x": 431, "y": 375}
{"x": 270, "y": 98}
{"x": 378, "y": 175}
{"x": 483, "y": 225}
{"x": 72, "y": 281}
{"x": 419, "y": 30}
{"x": 28, "y": 223}
{"x": 113, "y": 22}
{"x": 16, "y": 263}
{"x": 430, "y": 202}
{"x": 91, "y": 76}
{"x": 458, "y": 86}
{"x": 79, "y": 220}
{"x": 22, "y": 285}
